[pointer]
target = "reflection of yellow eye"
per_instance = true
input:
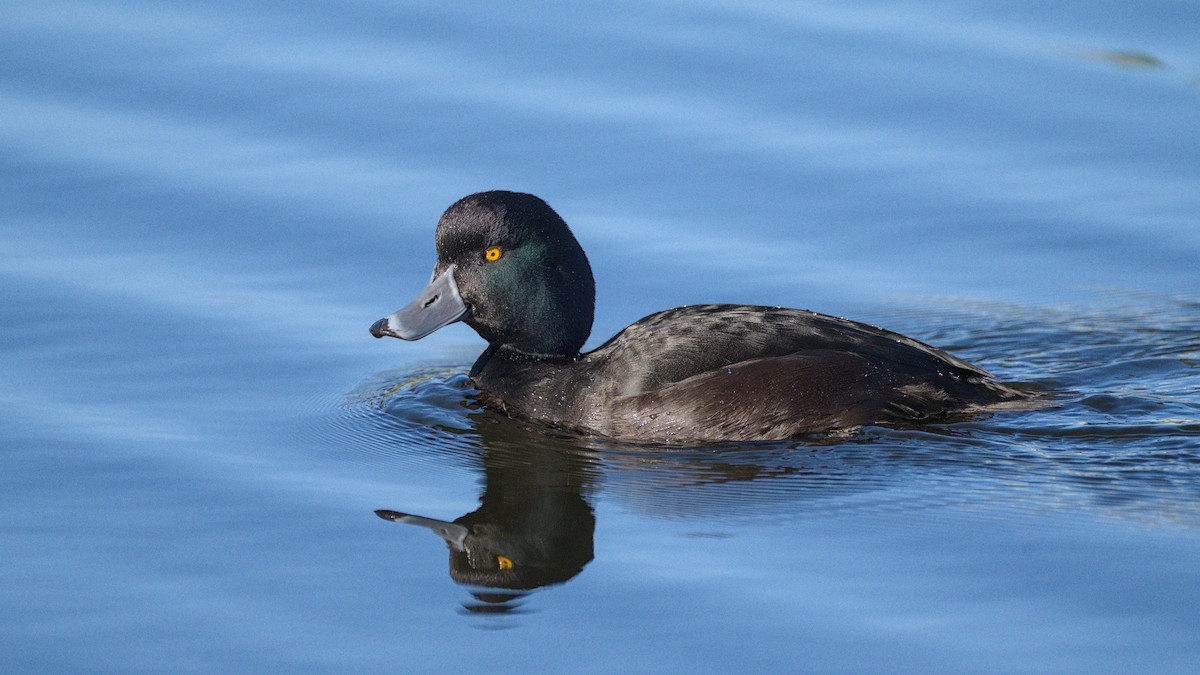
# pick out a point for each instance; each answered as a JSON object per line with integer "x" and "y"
{"x": 492, "y": 254}
{"x": 505, "y": 563}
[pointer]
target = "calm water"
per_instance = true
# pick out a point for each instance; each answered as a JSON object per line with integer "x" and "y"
{"x": 206, "y": 205}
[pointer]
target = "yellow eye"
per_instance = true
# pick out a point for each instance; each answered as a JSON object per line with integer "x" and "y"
{"x": 505, "y": 563}
{"x": 493, "y": 254}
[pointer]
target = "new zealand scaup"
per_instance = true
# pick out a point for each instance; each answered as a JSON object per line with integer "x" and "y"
{"x": 509, "y": 267}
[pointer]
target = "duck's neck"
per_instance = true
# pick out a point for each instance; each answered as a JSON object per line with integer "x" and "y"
{"x": 504, "y": 355}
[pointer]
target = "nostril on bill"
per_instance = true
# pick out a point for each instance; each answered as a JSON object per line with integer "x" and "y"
{"x": 430, "y": 302}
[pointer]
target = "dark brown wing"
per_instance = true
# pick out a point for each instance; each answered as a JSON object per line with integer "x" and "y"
{"x": 783, "y": 397}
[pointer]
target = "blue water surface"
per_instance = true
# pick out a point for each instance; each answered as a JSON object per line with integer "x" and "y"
{"x": 207, "y": 204}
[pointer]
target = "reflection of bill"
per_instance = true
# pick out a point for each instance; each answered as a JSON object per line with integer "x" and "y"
{"x": 533, "y": 528}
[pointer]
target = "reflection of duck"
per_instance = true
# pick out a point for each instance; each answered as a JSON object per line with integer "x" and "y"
{"x": 533, "y": 527}
{"x": 511, "y": 269}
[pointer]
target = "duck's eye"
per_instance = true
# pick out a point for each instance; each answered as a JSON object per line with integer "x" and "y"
{"x": 505, "y": 563}
{"x": 492, "y": 254}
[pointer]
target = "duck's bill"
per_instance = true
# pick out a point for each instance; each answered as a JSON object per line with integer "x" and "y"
{"x": 439, "y": 304}
{"x": 454, "y": 534}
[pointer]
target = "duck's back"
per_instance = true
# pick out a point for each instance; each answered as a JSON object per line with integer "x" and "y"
{"x": 672, "y": 345}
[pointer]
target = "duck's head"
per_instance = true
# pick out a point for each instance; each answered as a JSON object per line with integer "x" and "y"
{"x": 510, "y": 268}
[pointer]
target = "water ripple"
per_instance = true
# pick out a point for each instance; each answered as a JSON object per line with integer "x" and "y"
{"x": 1122, "y": 435}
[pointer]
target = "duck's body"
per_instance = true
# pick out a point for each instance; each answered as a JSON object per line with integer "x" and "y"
{"x": 697, "y": 373}
{"x": 737, "y": 372}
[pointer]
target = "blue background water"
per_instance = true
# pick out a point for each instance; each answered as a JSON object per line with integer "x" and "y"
{"x": 205, "y": 207}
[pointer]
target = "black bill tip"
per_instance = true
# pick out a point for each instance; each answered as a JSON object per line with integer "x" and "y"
{"x": 380, "y": 328}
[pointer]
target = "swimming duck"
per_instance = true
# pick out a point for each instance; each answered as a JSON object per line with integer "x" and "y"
{"x": 509, "y": 267}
